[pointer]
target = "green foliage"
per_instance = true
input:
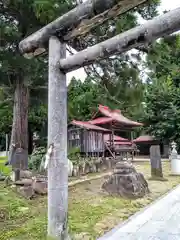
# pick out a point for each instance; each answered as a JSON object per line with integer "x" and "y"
{"x": 162, "y": 101}
{"x": 11, "y": 210}
{"x": 163, "y": 57}
{"x": 6, "y": 117}
{"x": 18, "y": 19}
{"x": 38, "y": 122}
{"x": 75, "y": 157}
{"x": 120, "y": 88}
{"x": 36, "y": 158}
{"x": 150, "y": 9}
{"x": 90, "y": 213}
{"x": 124, "y": 92}
{"x": 46, "y": 11}
{"x": 115, "y": 81}
{"x": 5, "y": 170}
{"x": 74, "y": 154}
{"x": 83, "y": 99}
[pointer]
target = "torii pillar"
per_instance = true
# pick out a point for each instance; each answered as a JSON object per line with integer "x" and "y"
{"x": 57, "y": 136}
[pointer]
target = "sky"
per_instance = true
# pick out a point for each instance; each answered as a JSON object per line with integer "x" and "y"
{"x": 169, "y": 5}
{"x": 165, "y": 5}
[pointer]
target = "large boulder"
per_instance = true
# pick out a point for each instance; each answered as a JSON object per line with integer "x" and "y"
{"x": 24, "y": 182}
{"x": 126, "y": 182}
{"x": 40, "y": 186}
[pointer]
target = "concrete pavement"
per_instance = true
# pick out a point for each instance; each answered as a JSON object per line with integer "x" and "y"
{"x": 159, "y": 221}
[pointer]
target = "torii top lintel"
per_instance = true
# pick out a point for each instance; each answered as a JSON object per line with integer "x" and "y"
{"x": 76, "y": 22}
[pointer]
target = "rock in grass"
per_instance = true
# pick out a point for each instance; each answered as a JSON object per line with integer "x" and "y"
{"x": 26, "y": 174}
{"x": 23, "y": 174}
{"x": 40, "y": 187}
{"x": 26, "y": 191}
{"x": 24, "y": 182}
{"x": 126, "y": 182}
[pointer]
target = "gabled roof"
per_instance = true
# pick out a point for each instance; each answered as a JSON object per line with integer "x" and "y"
{"x": 116, "y": 115}
{"x": 101, "y": 120}
{"x": 144, "y": 138}
{"x": 116, "y": 138}
{"x": 89, "y": 126}
{"x": 122, "y": 143}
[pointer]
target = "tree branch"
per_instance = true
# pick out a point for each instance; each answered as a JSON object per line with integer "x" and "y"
{"x": 103, "y": 86}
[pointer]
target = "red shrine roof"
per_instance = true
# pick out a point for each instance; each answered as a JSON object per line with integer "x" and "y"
{"x": 122, "y": 143}
{"x": 101, "y": 120}
{"x": 145, "y": 138}
{"x": 117, "y": 140}
{"x": 87, "y": 125}
{"x": 113, "y": 115}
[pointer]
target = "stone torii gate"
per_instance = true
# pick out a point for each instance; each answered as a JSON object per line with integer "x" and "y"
{"x": 54, "y": 37}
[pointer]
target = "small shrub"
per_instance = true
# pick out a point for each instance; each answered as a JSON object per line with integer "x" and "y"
{"x": 36, "y": 158}
{"x": 74, "y": 155}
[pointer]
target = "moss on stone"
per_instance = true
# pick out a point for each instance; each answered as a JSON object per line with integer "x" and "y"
{"x": 155, "y": 172}
{"x": 155, "y": 178}
{"x": 157, "y": 175}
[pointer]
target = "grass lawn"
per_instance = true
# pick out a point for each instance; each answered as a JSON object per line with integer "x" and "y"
{"x": 91, "y": 212}
{"x": 4, "y": 169}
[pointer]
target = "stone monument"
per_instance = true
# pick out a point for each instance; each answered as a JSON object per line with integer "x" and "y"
{"x": 156, "y": 165}
{"x": 126, "y": 182}
{"x": 174, "y": 153}
{"x": 175, "y": 160}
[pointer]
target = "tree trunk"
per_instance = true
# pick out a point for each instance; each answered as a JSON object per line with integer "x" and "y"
{"x": 165, "y": 150}
{"x": 19, "y": 134}
{"x": 30, "y": 140}
{"x": 57, "y": 142}
{"x": 156, "y": 165}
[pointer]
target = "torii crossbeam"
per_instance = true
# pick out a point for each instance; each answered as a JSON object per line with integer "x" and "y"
{"x": 76, "y": 22}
